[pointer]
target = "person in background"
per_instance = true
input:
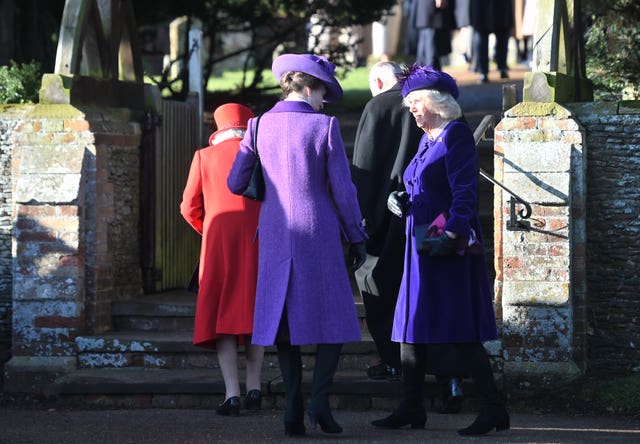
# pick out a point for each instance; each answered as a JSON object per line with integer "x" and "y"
{"x": 304, "y": 294}
{"x": 525, "y": 13}
{"x": 228, "y": 258}
{"x": 445, "y": 309}
{"x": 433, "y": 21}
{"x": 491, "y": 17}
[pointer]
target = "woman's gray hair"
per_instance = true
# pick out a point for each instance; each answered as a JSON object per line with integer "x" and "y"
{"x": 438, "y": 102}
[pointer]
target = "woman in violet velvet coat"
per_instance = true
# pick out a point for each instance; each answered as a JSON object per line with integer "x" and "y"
{"x": 228, "y": 257}
{"x": 445, "y": 309}
{"x": 310, "y": 206}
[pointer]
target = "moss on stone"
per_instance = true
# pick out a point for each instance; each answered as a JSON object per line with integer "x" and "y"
{"x": 13, "y": 111}
{"x": 593, "y": 108}
{"x": 45, "y": 111}
{"x": 528, "y": 109}
{"x": 55, "y": 88}
{"x": 629, "y": 107}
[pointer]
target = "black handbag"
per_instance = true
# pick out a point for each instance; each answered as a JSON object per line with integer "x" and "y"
{"x": 255, "y": 187}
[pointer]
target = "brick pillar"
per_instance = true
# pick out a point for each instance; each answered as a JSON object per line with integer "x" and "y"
{"x": 540, "y": 155}
{"x": 75, "y": 234}
{"x": 48, "y": 245}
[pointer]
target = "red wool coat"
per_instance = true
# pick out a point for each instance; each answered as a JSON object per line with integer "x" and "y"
{"x": 229, "y": 250}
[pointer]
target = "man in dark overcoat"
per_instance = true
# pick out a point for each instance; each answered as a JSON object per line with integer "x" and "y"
{"x": 386, "y": 140}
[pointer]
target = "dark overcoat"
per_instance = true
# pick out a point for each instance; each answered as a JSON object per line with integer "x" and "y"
{"x": 444, "y": 299}
{"x": 426, "y": 15}
{"x": 487, "y": 16}
{"x": 386, "y": 140}
{"x": 310, "y": 207}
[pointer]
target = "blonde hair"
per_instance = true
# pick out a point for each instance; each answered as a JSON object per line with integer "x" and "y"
{"x": 438, "y": 102}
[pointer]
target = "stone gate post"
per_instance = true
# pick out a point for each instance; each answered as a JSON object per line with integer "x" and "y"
{"x": 540, "y": 276}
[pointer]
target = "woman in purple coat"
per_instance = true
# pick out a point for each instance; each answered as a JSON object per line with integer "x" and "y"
{"x": 445, "y": 309}
{"x": 310, "y": 206}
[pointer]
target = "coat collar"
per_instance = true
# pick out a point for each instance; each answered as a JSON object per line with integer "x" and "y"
{"x": 285, "y": 106}
{"x": 395, "y": 90}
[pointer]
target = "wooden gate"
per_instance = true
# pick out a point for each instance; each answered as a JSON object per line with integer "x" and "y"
{"x": 170, "y": 247}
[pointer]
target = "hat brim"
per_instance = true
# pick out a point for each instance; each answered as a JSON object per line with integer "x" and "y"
{"x": 302, "y": 63}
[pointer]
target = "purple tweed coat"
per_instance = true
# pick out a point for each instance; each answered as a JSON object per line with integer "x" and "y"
{"x": 444, "y": 299}
{"x": 310, "y": 206}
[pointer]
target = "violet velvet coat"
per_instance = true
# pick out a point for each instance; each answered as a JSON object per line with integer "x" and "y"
{"x": 444, "y": 299}
{"x": 310, "y": 206}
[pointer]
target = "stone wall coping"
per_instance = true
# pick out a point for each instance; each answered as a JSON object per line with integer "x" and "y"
{"x": 525, "y": 109}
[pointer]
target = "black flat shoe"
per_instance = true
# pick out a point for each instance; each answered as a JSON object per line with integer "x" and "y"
{"x": 383, "y": 371}
{"x": 416, "y": 419}
{"x": 253, "y": 400}
{"x": 326, "y": 421}
{"x": 496, "y": 418}
{"x": 231, "y": 407}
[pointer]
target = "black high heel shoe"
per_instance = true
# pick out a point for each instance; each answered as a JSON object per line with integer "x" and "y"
{"x": 231, "y": 407}
{"x": 416, "y": 419}
{"x": 253, "y": 400}
{"x": 487, "y": 420}
{"x": 326, "y": 421}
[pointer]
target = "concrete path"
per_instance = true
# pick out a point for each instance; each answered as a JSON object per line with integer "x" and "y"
{"x": 19, "y": 426}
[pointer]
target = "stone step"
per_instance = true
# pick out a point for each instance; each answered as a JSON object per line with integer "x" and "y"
{"x": 162, "y": 388}
{"x": 174, "y": 350}
{"x": 173, "y": 311}
{"x": 168, "y": 311}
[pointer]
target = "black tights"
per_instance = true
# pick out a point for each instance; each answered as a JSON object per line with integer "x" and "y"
{"x": 473, "y": 360}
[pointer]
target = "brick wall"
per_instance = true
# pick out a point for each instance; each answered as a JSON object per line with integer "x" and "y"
{"x": 113, "y": 264}
{"x": 5, "y": 239}
{"x": 613, "y": 235}
{"x": 570, "y": 288}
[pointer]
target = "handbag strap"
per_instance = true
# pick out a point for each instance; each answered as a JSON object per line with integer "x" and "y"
{"x": 255, "y": 137}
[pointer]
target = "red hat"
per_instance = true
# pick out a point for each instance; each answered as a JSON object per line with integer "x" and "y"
{"x": 230, "y": 115}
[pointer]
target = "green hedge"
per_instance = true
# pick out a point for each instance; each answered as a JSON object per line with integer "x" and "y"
{"x": 20, "y": 83}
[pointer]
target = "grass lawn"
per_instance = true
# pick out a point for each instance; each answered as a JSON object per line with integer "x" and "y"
{"x": 355, "y": 85}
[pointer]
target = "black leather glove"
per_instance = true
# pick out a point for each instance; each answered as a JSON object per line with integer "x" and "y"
{"x": 357, "y": 255}
{"x": 439, "y": 246}
{"x": 397, "y": 202}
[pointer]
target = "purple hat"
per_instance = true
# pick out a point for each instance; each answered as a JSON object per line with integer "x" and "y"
{"x": 425, "y": 77}
{"x": 316, "y": 66}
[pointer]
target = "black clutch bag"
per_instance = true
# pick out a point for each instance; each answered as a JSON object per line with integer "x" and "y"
{"x": 255, "y": 187}
{"x": 467, "y": 245}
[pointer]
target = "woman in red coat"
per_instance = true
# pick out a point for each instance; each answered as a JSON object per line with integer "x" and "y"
{"x": 228, "y": 257}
